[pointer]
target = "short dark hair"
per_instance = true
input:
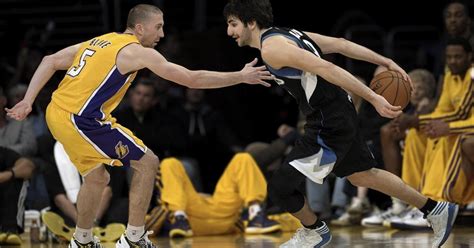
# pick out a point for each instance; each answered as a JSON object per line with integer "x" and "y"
{"x": 247, "y": 11}
{"x": 149, "y": 83}
{"x": 140, "y": 13}
{"x": 461, "y": 2}
{"x": 460, "y": 41}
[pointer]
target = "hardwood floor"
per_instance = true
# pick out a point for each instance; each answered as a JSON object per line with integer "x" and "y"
{"x": 357, "y": 237}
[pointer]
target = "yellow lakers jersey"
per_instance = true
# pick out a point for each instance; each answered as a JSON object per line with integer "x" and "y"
{"x": 93, "y": 86}
{"x": 455, "y": 102}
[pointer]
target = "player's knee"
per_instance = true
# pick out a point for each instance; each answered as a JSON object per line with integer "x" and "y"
{"x": 468, "y": 146}
{"x": 105, "y": 178}
{"x": 385, "y": 133}
{"x": 241, "y": 157}
{"x": 149, "y": 163}
{"x": 99, "y": 177}
{"x": 154, "y": 163}
{"x": 242, "y": 160}
{"x": 170, "y": 164}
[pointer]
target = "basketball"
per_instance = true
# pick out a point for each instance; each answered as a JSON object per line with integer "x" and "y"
{"x": 392, "y": 86}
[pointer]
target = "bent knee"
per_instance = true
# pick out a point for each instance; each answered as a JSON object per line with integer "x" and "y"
{"x": 100, "y": 177}
{"x": 468, "y": 146}
{"x": 385, "y": 131}
{"x": 149, "y": 163}
{"x": 243, "y": 156}
{"x": 154, "y": 163}
{"x": 171, "y": 164}
{"x": 243, "y": 160}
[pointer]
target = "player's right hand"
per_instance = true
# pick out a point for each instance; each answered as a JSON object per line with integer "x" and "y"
{"x": 20, "y": 111}
{"x": 384, "y": 108}
{"x": 256, "y": 75}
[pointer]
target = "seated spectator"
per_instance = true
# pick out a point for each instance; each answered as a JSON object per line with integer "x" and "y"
{"x": 457, "y": 23}
{"x": 14, "y": 174}
{"x": 147, "y": 118}
{"x": 36, "y": 118}
{"x": 431, "y": 152}
{"x": 468, "y": 161}
{"x": 241, "y": 185}
{"x": 454, "y": 106}
{"x": 468, "y": 155}
{"x": 148, "y": 122}
{"x": 15, "y": 135}
{"x": 208, "y": 136}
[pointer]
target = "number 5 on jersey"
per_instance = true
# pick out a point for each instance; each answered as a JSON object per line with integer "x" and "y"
{"x": 75, "y": 70}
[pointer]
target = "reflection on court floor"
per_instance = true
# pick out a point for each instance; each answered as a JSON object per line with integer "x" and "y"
{"x": 354, "y": 237}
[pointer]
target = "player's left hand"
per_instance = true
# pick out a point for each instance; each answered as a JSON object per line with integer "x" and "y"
{"x": 256, "y": 75}
{"x": 20, "y": 111}
{"x": 392, "y": 66}
{"x": 384, "y": 108}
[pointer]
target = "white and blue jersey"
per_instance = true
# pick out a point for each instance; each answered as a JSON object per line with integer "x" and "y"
{"x": 331, "y": 132}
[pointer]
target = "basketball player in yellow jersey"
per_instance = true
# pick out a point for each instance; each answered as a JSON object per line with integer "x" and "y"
{"x": 450, "y": 160}
{"x": 431, "y": 152}
{"x": 99, "y": 72}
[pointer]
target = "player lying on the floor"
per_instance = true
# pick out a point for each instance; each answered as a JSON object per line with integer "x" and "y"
{"x": 241, "y": 185}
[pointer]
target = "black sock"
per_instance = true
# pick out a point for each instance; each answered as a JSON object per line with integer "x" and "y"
{"x": 316, "y": 225}
{"x": 428, "y": 207}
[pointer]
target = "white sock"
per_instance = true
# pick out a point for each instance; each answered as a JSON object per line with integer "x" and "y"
{"x": 83, "y": 236}
{"x": 254, "y": 209}
{"x": 179, "y": 212}
{"x": 134, "y": 233}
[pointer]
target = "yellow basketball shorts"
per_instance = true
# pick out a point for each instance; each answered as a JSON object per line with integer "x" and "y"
{"x": 90, "y": 142}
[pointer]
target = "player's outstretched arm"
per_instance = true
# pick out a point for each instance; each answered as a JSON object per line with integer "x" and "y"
{"x": 278, "y": 53}
{"x": 137, "y": 57}
{"x": 350, "y": 49}
{"x": 60, "y": 60}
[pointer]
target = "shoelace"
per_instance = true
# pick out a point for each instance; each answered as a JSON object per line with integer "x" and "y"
{"x": 299, "y": 235}
{"x": 94, "y": 244}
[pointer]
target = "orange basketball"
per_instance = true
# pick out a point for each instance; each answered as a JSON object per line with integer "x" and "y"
{"x": 392, "y": 86}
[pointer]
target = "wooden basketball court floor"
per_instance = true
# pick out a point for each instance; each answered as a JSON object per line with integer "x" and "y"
{"x": 357, "y": 237}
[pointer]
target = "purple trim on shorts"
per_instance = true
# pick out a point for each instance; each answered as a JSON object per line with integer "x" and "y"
{"x": 111, "y": 141}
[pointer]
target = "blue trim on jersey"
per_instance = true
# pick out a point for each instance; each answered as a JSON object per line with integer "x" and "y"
{"x": 285, "y": 71}
{"x": 113, "y": 84}
{"x": 329, "y": 156}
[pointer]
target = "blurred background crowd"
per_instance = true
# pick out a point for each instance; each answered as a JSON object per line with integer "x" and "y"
{"x": 205, "y": 128}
